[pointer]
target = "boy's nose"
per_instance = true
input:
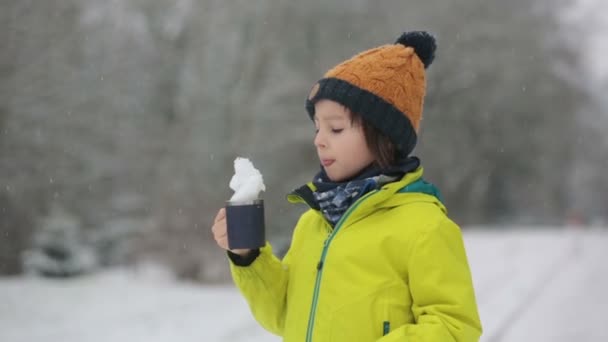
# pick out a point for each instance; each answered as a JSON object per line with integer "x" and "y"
{"x": 319, "y": 140}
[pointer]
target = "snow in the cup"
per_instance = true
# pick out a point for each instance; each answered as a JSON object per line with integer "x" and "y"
{"x": 247, "y": 181}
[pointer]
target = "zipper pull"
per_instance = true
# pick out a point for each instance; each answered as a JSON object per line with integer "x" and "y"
{"x": 386, "y": 328}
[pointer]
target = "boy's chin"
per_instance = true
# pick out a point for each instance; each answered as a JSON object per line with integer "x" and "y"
{"x": 337, "y": 178}
{"x": 342, "y": 177}
{"x": 332, "y": 177}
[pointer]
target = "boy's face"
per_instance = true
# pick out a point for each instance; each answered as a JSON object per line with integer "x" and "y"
{"x": 340, "y": 142}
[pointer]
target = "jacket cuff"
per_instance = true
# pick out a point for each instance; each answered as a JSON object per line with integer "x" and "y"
{"x": 244, "y": 261}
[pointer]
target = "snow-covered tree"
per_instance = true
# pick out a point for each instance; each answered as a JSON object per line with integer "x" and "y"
{"x": 59, "y": 248}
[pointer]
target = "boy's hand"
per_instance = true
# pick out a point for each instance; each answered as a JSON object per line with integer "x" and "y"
{"x": 220, "y": 233}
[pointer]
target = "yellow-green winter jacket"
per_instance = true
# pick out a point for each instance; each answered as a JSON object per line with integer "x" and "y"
{"x": 393, "y": 269}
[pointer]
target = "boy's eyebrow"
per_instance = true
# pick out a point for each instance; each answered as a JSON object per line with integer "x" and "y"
{"x": 331, "y": 117}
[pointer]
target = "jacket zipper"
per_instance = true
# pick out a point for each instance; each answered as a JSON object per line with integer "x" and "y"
{"x": 315, "y": 297}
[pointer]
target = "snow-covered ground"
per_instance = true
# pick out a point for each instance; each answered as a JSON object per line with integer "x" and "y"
{"x": 532, "y": 285}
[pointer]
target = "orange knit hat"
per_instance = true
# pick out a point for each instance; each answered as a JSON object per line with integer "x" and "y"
{"x": 385, "y": 85}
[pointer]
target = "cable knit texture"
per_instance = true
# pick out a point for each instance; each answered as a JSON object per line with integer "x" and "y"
{"x": 392, "y": 72}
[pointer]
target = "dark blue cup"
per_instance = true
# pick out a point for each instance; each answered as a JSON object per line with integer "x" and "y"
{"x": 245, "y": 224}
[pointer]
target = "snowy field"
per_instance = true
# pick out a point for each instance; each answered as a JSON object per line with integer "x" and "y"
{"x": 541, "y": 286}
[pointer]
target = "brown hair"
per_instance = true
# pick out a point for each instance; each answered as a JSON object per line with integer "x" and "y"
{"x": 379, "y": 144}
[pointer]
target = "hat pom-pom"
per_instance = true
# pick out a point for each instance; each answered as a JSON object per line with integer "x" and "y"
{"x": 422, "y": 42}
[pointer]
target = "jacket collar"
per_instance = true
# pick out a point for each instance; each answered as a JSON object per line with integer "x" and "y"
{"x": 411, "y": 188}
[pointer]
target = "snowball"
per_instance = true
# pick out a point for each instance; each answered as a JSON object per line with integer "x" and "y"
{"x": 247, "y": 181}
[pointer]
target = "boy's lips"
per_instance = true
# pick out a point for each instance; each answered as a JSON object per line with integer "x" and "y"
{"x": 327, "y": 162}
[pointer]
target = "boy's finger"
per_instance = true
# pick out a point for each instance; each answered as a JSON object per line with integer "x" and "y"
{"x": 218, "y": 229}
{"x": 220, "y": 215}
{"x": 220, "y": 235}
{"x": 223, "y": 242}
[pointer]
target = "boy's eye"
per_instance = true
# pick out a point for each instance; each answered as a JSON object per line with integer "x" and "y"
{"x": 337, "y": 130}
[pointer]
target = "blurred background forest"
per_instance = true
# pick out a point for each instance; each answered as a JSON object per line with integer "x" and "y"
{"x": 120, "y": 119}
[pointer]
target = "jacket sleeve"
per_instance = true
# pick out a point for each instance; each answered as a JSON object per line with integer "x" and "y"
{"x": 441, "y": 286}
{"x": 264, "y": 285}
